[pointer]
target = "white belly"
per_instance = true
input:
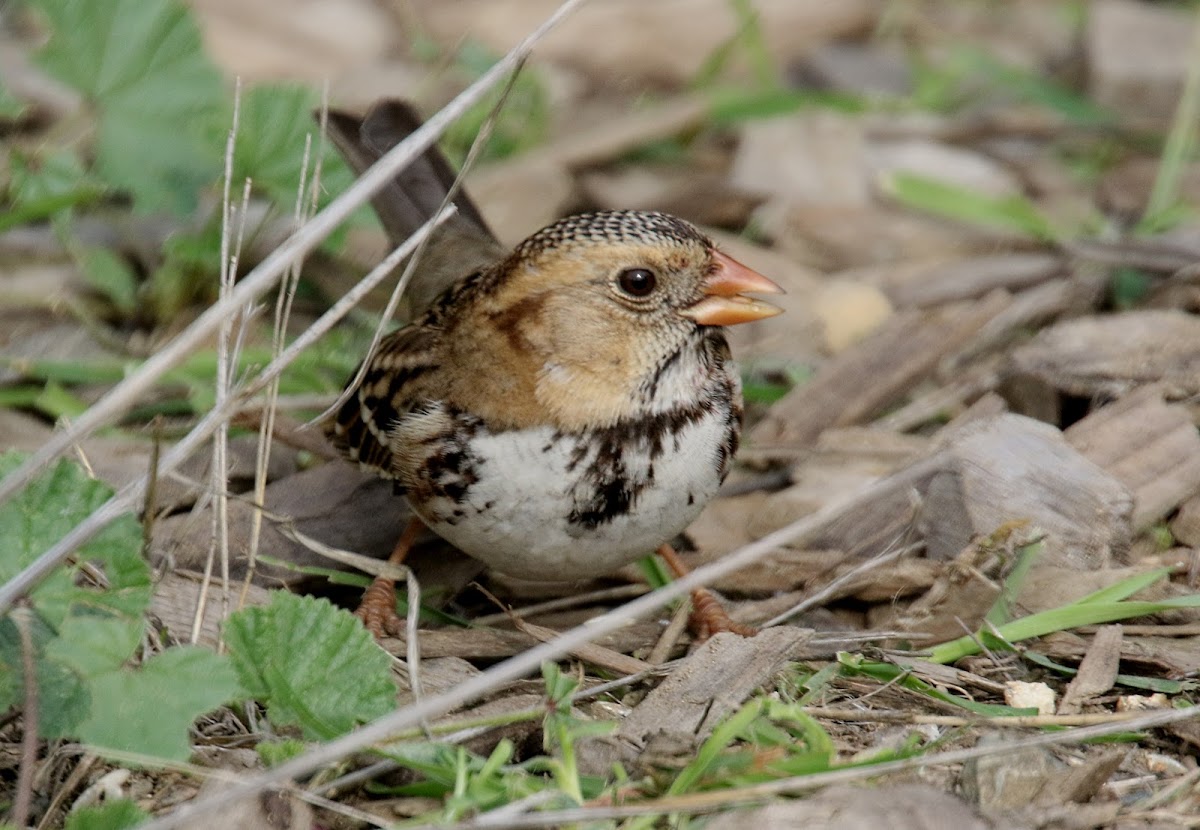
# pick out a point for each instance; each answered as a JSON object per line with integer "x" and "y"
{"x": 541, "y": 506}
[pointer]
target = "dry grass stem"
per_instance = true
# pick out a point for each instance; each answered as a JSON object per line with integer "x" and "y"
{"x": 127, "y": 392}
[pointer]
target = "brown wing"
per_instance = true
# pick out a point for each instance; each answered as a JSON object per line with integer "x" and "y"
{"x": 393, "y": 384}
{"x": 460, "y": 246}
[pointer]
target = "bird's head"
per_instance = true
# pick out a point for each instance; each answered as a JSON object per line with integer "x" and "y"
{"x": 598, "y": 303}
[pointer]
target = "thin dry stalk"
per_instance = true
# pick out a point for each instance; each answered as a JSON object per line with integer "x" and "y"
{"x": 31, "y": 713}
{"x": 529, "y": 661}
{"x": 130, "y": 495}
{"x": 226, "y": 360}
{"x": 829, "y": 590}
{"x": 283, "y": 310}
{"x": 126, "y": 393}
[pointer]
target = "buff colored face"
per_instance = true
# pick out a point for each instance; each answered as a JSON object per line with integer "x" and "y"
{"x": 582, "y": 321}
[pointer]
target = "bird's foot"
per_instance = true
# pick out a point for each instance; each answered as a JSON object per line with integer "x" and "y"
{"x": 378, "y": 609}
{"x": 709, "y": 617}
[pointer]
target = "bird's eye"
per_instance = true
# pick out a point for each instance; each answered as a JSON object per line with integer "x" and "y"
{"x": 637, "y": 282}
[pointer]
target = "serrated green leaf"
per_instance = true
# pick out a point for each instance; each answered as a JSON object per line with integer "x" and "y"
{"x": 148, "y": 711}
{"x": 93, "y": 646}
{"x": 312, "y": 664}
{"x": 113, "y": 815}
{"x": 272, "y": 126}
{"x": 142, "y": 65}
{"x": 64, "y": 700}
{"x": 43, "y": 513}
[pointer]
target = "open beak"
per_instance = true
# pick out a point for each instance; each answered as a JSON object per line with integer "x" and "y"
{"x": 723, "y": 303}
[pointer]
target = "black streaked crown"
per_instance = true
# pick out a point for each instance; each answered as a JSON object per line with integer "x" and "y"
{"x": 634, "y": 226}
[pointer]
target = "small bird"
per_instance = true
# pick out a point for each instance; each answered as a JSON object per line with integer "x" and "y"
{"x": 564, "y": 410}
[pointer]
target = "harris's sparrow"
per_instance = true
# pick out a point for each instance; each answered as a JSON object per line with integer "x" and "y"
{"x": 564, "y": 410}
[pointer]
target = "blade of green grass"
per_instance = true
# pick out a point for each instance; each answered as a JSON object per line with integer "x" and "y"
{"x": 1057, "y": 619}
{"x": 950, "y": 201}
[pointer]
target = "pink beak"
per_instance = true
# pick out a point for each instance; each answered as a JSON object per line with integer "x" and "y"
{"x": 723, "y": 303}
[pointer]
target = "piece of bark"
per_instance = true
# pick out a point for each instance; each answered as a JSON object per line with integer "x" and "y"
{"x": 961, "y": 594}
{"x": 628, "y": 43}
{"x": 1150, "y": 446}
{"x": 175, "y": 599}
{"x": 887, "y": 520}
{"x": 518, "y": 732}
{"x": 276, "y": 809}
{"x": 709, "y": 685}
{"x": 437, "y": 675}
{"x": 1007, "y": 780}
{"x": 1011, "y": 468}
{"x": 1175, "y": 658}
{"x": 1109, "y": 355}
{"x": 949, "y": 400}
{"x": 1028, "y": 309}
{"x": 1081, "y": 784}
{"x": 874, "y": 373}
{"x": 1097, "y": 670}
{"x": 591, "y": 653}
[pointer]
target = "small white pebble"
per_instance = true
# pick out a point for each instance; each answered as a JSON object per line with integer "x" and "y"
{"x": 1022, "y": 695}
{"x": 1138, "y": 703}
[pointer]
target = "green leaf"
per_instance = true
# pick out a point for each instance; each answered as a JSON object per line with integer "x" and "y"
{"x": 141, "y": 63}
{"x": 111, "y": 276}
{"x": 11, "y": 107}
{"x": 46, "y": 184}
{"x": 93, "y": 646}
{"x": 274, "y": 753}
{"x": 1014, "y": 213}
{"x": 113, "y": 815}
{"x": 1082, "y": 612}
{"x": 148, "y": 711}
{"x": 312, "y": 664}
{"x": 63, "y": 697}
{"x": 53, "y": 504}
{"x": 272, "y": 126}
{"x": 1002, "y": 609}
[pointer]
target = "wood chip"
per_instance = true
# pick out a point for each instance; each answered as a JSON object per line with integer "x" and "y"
{"x": 1082, "y": 783}
{"x": 1011, "y": 468}
{"x": 709, "y": 685}
{"x": 1097, "y": 670}
{"x": 973, "y": 277}
{"x": 177, "y": 594}
{"x": 875, "y": 373}
{"x": 1095, "y": 356}
{"x": 1149, "y": 445}
{"x": 712, "y": 683}
{"x": 591, "y": 653}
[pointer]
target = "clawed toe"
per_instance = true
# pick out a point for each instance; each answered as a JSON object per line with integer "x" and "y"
{"x": 709, "y": 618}
{"x": 378, "y": 609}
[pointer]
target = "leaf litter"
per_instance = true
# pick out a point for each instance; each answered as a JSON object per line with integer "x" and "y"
{"x": 1020, "y": 387}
